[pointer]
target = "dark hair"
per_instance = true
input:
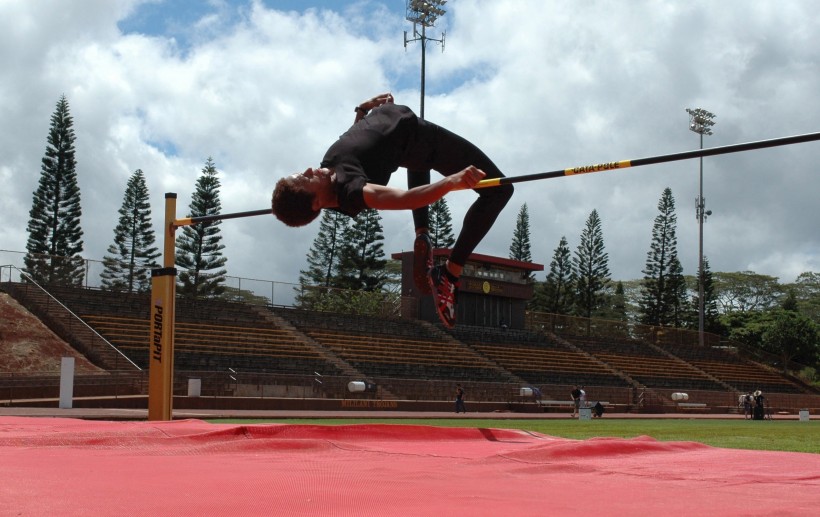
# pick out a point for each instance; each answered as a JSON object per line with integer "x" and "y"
{"x": 291, "y": 204}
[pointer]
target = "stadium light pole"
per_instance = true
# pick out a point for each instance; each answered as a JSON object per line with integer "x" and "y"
{"x": 424, "y": 13}
{"x": 700, "y": 122}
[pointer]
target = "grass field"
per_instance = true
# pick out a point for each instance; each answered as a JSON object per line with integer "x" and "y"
{"x": 792, "y": 436}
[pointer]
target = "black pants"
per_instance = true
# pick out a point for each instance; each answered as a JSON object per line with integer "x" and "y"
{"x": 436, "y": 148}
{"x": 460, "y": 407}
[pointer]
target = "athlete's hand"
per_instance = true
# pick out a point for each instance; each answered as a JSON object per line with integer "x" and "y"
{"x": 378, "y": 100}
{"x": 468, "y": 178}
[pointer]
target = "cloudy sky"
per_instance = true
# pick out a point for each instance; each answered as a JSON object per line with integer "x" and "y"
{"x": 264, "y": 87}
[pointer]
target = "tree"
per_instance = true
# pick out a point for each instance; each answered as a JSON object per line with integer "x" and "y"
{"x": 615, "y": 311}
{"x": 199, "y": 248}
{"x": 133, "y": 254}
{"x": 676, "y": 294}
{"x": 392, "y": 277}
{"x": 617, "y": 304}
{"x": 790, "y": 302}
{"x": 556, "y": 294}
{"x": 746, "y": 291}
{"x": 323, "y": 256}
{"x": 791, "y": 335}
{"x": 632, "y": 297}
{"x": 520, "y": 248}
{"x": 746, "y": 327}
{"x": 657, "y": 292}
{"x": 234, "y": 294}
{"x": 322, "y": 259}
{"x": 55, "y": 236}
{"x": 361, "y": 262}
{"x": 590, "y": 269}
{"x": 441, "y": 225}
{"x": 807, "y": 293}
{"x": 711, "y": 315}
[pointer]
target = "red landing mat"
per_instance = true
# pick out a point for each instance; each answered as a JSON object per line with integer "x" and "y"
{"x": 65, "y": 467}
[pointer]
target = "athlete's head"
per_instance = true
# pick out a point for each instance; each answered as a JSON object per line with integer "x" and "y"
{"x": 297, "y": 199}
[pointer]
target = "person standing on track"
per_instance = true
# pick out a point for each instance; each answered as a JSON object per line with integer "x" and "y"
{"x": 460, "y": 407}
{"x": 576, "y": 400}
{"x": 355, "y": 170}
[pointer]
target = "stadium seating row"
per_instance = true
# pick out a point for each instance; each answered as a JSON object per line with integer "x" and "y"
{"x": 215, "y": 334}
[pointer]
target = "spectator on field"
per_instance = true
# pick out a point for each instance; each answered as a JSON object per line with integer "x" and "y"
{"x": 460, "y": 407}
{"x": 536, "y": 394}
{"x": 746, "y": 401}
{"x": 759, "y": 410}
{"x": 576, "y": 400}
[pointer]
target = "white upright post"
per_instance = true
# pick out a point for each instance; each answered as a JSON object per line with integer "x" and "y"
{"x": 66, "y": 382}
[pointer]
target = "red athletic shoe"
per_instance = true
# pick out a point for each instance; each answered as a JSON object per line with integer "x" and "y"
{"x": 444, "y": 293}
{"x": 422, "y": 262}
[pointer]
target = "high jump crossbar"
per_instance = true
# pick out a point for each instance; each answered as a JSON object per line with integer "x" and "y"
{"x": 187, "y": 221}
{"x": 572, "y": 171}
{"x": 623, "y": 164}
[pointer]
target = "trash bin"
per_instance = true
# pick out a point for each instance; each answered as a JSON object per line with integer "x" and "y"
{"x": 356, "y": 386}
{"x": 585, "y": 413}
{"x": 804, "y": 415}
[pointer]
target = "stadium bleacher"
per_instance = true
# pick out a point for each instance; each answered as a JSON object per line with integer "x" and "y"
{"x": 415, "y": 359}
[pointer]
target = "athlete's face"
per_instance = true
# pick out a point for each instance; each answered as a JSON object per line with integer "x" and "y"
{"x": 316, "y": 181}
{"x": 312, "y": 178}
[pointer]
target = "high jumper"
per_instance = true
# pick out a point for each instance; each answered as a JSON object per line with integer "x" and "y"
{"x": 355, "y": 170}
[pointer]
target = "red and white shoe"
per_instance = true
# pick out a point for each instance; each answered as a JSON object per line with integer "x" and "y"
{"x": 444, "y": 291}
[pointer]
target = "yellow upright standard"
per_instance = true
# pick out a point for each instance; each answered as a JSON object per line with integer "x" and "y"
{"x": 161, "y": 359}
{"x": 163, "y": 317}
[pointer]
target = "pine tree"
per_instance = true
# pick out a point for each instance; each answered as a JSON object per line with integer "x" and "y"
{"x": 591, "y": 269}
{"x": 618, "y": 304}
{"x": 441, "y": 225}
{"x": 199, "y": 248}
{"x": 676, "y": 294}
{"x": 323, "y": 256}
{"x": 557, "y": 293}
{"x": 615, "y": 311}
{"x": 322, "y": 260}
{"x": 520, "y": 248}
{"x": 361, "y": 265}
{"x": 132, "y": 255}
{"x": 55, "y": 237}
{"x": 658, "y": 290}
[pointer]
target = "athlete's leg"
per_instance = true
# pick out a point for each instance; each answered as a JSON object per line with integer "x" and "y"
{"x": 437, "y": 148}
{"x": 448, "y": 154}
{"x": 422, "y": 246}
{"x": 417, "y": 178}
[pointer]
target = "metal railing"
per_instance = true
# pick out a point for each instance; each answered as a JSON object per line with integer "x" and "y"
{"x": 252, "y": 291}
{"x": 29, "y": 283}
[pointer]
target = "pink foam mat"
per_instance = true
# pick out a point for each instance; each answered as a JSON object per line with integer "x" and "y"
{"x": 60, "y": 466}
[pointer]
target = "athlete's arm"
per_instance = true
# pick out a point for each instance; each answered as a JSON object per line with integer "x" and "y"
{"x": 389, "y": 198}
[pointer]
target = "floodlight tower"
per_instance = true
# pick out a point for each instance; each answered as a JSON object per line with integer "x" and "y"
{"x": 700, "y": 122}
{"x": 424, "y": 13}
